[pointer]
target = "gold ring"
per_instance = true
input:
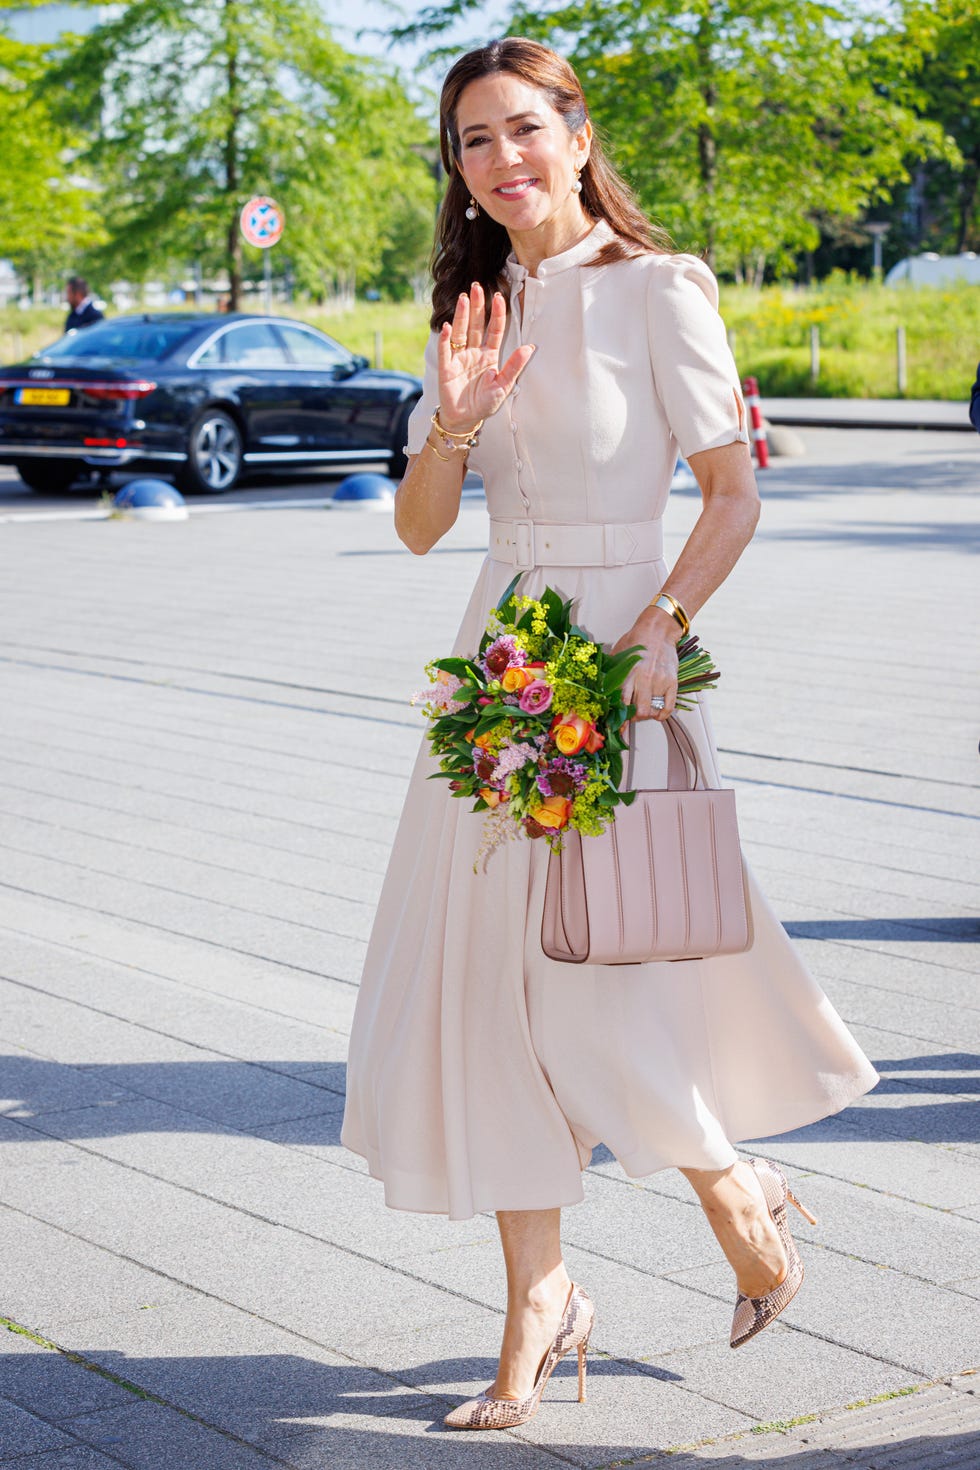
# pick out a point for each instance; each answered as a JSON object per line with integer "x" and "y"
{"x": 455, "y": 345}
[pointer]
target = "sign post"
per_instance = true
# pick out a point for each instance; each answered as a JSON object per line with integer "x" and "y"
{"x": 262, "y": 223}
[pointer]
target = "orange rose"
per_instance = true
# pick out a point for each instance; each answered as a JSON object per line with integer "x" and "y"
{"x": 514, "y": 680}
{"x": 571, "y": 733}
{"x": 491, "y": 797}
{"x": 485, "y": 740}
{"x": 553, "y": 813}
{"x": 595, "y": 741}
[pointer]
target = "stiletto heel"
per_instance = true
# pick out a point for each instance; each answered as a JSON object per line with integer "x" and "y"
{"x": 574, "y": 1330}
{"x": 802, "y": 1208}
{"x": 753, "y": 1313}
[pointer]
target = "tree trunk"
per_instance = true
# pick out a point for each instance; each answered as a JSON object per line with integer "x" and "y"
{"x": 232, "y": 182}
{"x": 966, "y": 203}
{"x": 707, "y": 145}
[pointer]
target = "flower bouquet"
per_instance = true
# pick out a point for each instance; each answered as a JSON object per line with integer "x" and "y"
{"x": 530, "y": 728}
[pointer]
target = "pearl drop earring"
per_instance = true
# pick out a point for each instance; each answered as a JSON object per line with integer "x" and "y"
{"x": 577, "y": 182}
{"x": 474, "y": 209}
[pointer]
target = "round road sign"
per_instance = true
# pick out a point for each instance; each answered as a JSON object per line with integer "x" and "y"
{"x": 262, "y": 222}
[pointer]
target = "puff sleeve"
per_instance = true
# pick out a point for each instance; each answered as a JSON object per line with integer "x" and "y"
{"x": 419, "y": 421}
{"x": 693, "y": 369}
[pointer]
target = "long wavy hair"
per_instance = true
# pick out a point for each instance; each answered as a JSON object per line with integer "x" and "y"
{"x": 476, "y": 250}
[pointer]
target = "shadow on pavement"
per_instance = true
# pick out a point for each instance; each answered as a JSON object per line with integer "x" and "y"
{"x": 310, "y": 1414}
{"x": 938, "y": 929}
{"x": 53, "y": 1100}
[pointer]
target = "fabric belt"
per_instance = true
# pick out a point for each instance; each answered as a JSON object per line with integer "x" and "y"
{"x": 527, "y": 544}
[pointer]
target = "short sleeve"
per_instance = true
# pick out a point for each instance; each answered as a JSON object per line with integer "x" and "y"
{"x": 420, "y": 419}
{"x": 693, "y": 369}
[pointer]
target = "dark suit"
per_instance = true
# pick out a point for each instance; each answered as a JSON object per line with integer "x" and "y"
{"x": 88, "y": 314}
{"x": 975, "y": 404}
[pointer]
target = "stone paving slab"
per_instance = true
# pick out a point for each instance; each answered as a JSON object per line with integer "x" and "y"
{"x": 935, "y": 1428}
{"x": 194, "y": 818}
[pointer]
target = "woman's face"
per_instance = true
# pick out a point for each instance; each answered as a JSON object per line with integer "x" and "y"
{"x": 517, "y": 157}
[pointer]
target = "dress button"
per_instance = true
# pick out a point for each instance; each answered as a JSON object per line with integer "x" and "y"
{"x": 513, "y": 428}
{"x": 518, "y": 464}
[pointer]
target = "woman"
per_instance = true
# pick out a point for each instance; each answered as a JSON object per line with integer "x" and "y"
{"x": 481, "y": 1073}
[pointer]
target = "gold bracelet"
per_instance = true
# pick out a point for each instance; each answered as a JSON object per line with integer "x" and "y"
{"x": 469, "y": 440}
{"x": 429, "y": 445}
{"x": 669, "y": 604}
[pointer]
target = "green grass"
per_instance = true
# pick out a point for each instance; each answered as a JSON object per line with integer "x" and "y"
{"x": 857, "y": 324}
{"x": 770, "y": 327}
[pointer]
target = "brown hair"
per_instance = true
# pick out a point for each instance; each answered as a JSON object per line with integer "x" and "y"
{"x": 467, "y": 251}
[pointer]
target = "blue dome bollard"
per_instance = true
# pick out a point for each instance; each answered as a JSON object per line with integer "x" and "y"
{"x": 150, "y": 500}
{"x": 365, "y": 492}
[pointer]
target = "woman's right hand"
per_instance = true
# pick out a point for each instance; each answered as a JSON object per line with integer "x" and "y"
{"x": 472, "y": 385}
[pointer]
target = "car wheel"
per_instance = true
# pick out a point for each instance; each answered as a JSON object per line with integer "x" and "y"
{"x": 214, "y": 454}
{"x": 50, "y": 477}
{"x": 399, "y": 459}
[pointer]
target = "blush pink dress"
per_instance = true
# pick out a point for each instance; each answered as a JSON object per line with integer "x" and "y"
{"x": 482, "y": 1074}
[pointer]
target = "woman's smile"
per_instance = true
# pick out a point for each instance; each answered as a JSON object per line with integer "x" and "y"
{"x": 515, "y": 189}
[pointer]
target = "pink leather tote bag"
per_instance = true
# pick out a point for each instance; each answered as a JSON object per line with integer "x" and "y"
{"x": 663, "y": 882}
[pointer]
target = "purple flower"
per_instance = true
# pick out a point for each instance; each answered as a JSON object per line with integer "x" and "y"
{"x": 563, "y": 777}
{"x": 504, "y": 653}
{"x": 536, "y": 697}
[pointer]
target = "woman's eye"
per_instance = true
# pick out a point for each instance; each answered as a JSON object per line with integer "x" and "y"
{"x": 473, "y": 142}
{"x": 528, "y": 128}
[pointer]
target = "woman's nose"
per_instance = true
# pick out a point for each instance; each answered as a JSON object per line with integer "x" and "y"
{"x": 506, "y": 153}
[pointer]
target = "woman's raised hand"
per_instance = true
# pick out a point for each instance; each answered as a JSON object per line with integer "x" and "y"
{"x": 472, "y": 385}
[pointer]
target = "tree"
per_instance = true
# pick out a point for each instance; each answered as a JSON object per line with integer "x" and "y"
{"x": 47, "y": 214}
{"x": 191, "y": 109}
{"x": 740, "y": 123}
{"x": 948, "y": 35}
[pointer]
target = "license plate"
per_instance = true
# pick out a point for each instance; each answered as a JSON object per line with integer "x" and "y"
{"x": 43, "y": 397}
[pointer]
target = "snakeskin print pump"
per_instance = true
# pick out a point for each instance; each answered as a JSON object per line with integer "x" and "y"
{"x": 753, "y": 1313}
{"x": 574, "y": 1330}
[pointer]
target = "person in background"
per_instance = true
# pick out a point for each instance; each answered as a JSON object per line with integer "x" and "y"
{"x": 975, "y": 402}
{"x": 84, "y": 311}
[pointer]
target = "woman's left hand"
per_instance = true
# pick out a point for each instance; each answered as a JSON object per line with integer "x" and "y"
{"x": 655, "y": 676}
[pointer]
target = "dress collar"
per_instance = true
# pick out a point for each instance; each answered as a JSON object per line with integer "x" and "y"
{"x": 578, "y": 254}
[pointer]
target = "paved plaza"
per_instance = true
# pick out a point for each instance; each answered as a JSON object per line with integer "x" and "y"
{"x": 205, "y": 741}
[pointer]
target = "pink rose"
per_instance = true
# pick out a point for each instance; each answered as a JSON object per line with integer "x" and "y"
{"x": 536, "y": 698}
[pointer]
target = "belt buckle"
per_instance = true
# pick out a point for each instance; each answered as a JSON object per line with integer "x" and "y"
{"x": 523, "y": 545}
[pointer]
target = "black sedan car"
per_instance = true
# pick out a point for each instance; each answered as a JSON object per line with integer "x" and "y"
{"x": 204, "y": 398}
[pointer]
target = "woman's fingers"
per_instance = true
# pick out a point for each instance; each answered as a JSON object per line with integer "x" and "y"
{"x": 497, "y": 324}
{"x": 476, "y": 322}
{"x": 513, "y": 367}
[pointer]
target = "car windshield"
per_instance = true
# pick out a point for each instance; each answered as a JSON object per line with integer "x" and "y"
{"x": 131, "y": 341}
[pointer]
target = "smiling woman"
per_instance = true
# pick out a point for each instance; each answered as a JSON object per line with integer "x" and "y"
{"x": 483, "y": 1071}
{"x": 512, "y": 140}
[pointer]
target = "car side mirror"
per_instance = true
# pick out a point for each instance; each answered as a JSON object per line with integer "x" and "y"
{"x": 361, "y": 363}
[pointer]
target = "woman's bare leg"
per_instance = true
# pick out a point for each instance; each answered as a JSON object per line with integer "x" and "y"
{"x": 537, "y": 1290}
{"x": 736, "y": 1209}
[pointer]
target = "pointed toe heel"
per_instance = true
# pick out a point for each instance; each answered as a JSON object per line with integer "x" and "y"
{"x": 574, "y": 1330}
{"x": 754, "y": 1313}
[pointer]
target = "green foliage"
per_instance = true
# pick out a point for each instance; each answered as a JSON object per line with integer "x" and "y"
{"x": 46, "y": 213}
{"x": 190, "y": 110}
{"x": 948, "y": 79}
{"x": 857, "y": 324}
{"x": 741, "y": 125}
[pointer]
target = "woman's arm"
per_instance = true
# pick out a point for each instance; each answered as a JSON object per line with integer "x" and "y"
{"x": 729, "y": 515}
{"x": 472, "y": 387}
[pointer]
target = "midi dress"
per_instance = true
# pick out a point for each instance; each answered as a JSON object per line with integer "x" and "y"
{"x": 482, "y": 1074}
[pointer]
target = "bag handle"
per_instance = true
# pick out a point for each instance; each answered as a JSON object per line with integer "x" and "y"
{"x": 683, "y": 760}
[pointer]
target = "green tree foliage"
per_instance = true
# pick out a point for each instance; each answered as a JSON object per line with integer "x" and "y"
{"x": 47, "y": 214}
{"x": 948, "y": 34}
{"x": 743, "y": 125}
{"x": 191, "y": 109}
